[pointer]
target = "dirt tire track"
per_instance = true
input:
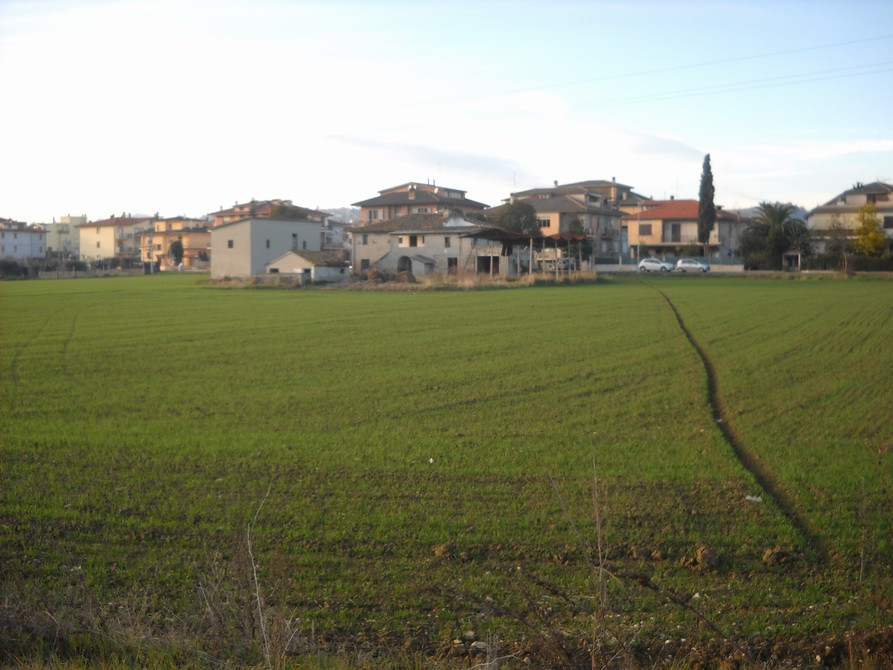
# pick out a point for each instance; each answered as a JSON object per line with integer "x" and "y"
{"x": 762, "y": 473}
{"x": 14, "y": 363}
{"x": 64, "y": 352}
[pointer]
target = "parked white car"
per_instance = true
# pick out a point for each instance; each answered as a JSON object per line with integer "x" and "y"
{"x": 654, "y": 265}
{"x": 690, "y": 264}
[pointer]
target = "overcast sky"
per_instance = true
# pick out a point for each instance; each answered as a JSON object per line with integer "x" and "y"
{"x": 181, "y": 107}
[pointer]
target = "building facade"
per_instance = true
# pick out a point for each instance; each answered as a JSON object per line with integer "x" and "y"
{"x": 840, "y": 214}
{"x": 669, "y": 228}
{"x": 20, "y": 242}
{"x": 242, "y": 249}
{"x": 595, "y": 205}
{"x": 115, "y": 237}
{"x": 193, "y": 234}
{"x": 444, "y": 243}
{"x": 63, "y": 240}
{"x": 414, "y": 198}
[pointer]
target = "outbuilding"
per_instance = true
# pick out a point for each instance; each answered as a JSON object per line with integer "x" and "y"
{"x": 310, "y": 266}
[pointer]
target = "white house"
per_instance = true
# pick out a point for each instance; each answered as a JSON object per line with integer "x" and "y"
{"x": 242, "y": 249}
{"x": 842, "y": 212}
{"x": 19, "y": 241}
{"x": 444, "y": 242}
{"x": 310, "y": 266}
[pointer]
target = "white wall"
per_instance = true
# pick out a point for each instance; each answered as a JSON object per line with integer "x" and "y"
{"x": 257, "y": 242}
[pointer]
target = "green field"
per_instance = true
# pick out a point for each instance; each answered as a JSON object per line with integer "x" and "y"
{"x": 417, "y": 465}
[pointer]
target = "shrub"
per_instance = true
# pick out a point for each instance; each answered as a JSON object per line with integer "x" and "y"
{"x": 12, "y": 269}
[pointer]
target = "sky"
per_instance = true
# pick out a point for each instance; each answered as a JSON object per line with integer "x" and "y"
{"x": 182, "y": 107}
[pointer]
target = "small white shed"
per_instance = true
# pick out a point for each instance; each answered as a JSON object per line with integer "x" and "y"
{"x": 311, "y": 266}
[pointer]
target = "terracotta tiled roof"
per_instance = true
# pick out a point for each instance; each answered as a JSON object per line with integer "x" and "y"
{"x": 686, "y": 210}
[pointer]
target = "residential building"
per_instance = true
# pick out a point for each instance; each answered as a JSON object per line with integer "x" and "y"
{"x": 443, "y": 242}
{"x": 668, "y": 227}
{"x": 193, "y": 234}
{"x": 414, "y": 198}
{"x": 841, "y": 212}
{"x": 63, "y": 240}
{"x": 311, "y": 266}
{"x": 114, "y": 237}
{"x": 242, "y": 249}
{"x": 267, "y": 209}
{"x": 595, "y": 204}
{"x": 19, "y": 241}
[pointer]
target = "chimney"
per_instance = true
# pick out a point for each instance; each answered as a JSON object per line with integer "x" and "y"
{"x": 556, "y": 183}
{"x": 672, "y": 197}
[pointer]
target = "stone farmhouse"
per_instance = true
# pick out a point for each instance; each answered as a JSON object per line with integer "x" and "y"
{"x": 444, "y": 243}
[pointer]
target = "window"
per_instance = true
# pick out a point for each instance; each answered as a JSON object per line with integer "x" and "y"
{"x": 97, "y": 245}
{"x": 365, "y": 239}
{"x": 400, "y": 240}
{"x": 644, "y": 229}
{"x": 675, "y": 232}
{"x": 871, "y": 197}
{"x": 446, "y": 242}
{"x": 452, "y": 265}
{"x": 157, "y": 247}
{"x": 888, "y": 223}
{"x": 268, "y": 244}
{"x": 543, "y": 223}
{"x": 422, "y": 210}
{"x": 229, "y": 244}
{"x": 414, "y": 240}
{"x": 364, "y": 264}
{"x": 303, "y": 244}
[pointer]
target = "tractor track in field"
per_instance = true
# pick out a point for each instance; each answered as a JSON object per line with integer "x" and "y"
{"x": 763, "y": 474}
{"x": 14, "y": 363}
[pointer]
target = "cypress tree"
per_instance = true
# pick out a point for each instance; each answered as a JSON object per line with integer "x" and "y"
{"x": 706, "y": 208}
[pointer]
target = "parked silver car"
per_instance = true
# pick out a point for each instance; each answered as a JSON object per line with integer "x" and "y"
{"x": 654, "y": 265}
{"x": 690, "y": 264}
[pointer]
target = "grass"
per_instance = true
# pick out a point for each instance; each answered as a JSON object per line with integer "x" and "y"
{"x": 144, "y": 419}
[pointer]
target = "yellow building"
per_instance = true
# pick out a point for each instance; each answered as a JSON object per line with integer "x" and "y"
{"x": 115, "y": 237}
{"x": 155, "y": 243}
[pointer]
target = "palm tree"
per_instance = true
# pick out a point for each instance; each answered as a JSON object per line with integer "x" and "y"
{"x": 774, "y": 231}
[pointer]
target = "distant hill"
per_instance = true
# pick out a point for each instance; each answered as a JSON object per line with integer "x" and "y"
{"x": 754, "y": 212}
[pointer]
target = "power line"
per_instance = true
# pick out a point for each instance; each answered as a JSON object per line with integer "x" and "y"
{"x": 640, "y": 73}
{"x": 766, "y": 82}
